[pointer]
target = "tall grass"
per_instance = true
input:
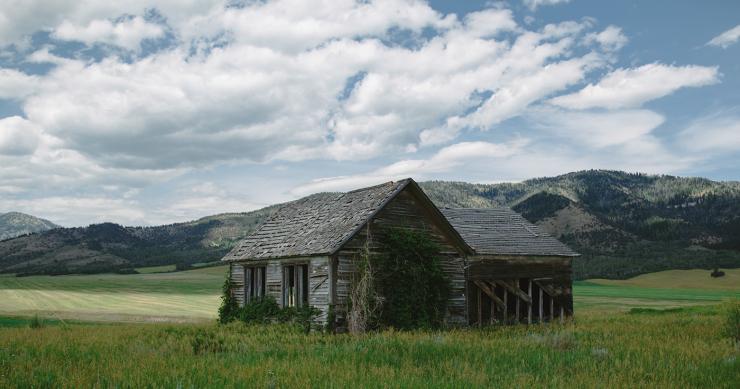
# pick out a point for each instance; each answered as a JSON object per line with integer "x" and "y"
{"x": 678, "y": 349}
{"x": 732, "y": 321}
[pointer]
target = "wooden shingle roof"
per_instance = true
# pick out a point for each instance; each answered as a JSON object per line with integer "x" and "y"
{"x": 315, "y": 225}
{"x": 501, "y": 231}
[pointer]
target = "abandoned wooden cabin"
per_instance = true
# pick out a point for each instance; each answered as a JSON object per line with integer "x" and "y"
{"x": 502, "y": 269}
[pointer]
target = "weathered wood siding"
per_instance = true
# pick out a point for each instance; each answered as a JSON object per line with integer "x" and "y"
{"x": 404, "y": 211}
{"x": 237, "y": 283}
{"x": 319, "y": 284}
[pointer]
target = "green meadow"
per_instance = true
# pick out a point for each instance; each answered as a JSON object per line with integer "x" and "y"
{"x": 152, "y": 296}
{"x": 157, "y": 330}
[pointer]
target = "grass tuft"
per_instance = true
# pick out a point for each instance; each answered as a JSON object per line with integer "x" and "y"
{"x": 36, "y": 322}
{"x": 732, "y": 321}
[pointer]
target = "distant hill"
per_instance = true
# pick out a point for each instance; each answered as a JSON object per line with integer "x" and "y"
{"x": 623, "y": 224}
{"x": 14, "y": 224}
{"x": 110, "y": 247}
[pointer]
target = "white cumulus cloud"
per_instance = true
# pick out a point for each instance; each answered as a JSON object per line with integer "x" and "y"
{"x": 631, "y": 87}
{"x": 727, "y": 38}
{"x": 18, "y": 136}
{"x": 128, "y": 33}
{"x": 534, "y": 4}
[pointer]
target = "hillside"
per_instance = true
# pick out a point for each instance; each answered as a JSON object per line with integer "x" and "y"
{"x": 14, "y": 224}
{"x": 110, "y": 247}
{"x": 623, "y": 224}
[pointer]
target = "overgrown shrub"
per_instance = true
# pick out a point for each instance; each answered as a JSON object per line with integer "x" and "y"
{"x": 364, "y": 301}
{"x": 229, "y": 309}
{"x": 411, "y": 281}
{"x": 261, "y": 311}
{"x": 264, "y": 310}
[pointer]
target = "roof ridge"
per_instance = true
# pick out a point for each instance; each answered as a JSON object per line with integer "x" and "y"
{"x": 378, "y": 186}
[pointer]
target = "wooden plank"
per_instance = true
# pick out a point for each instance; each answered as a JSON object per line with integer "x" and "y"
{"x": 562, "y": 315}
{"x": 506, "y": 306}
{"x": 514, "y": 289}
{"x": 487, "y": 290}
{"x": 493, "y": 311}
{"x": 552, "y": 308}
{"x": 540, "y": 317}
{"x": 548, "y": 287}
{"x": 319, "y": 284}
{"x": 480, "y": 307}
{"x": 518, "y": 301}
{"x": 247, "y": 284}
{"x": 529, "y": 304}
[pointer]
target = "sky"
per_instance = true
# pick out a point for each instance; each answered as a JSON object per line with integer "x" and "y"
{"x": 147, "y": 112}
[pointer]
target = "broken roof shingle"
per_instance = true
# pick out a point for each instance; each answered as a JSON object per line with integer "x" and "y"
{"x": 315, "y": 225}
{"x": 501, "y": 231}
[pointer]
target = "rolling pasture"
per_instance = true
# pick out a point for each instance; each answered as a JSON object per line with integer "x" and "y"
{"x": 189, "y": 296}
{"x": 174, "y": 296}
{"x": 608, "y": 343}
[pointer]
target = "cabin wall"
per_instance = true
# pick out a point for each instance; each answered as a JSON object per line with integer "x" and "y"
{"x": 319, "y": 283}
{"x": 403, "y": 211}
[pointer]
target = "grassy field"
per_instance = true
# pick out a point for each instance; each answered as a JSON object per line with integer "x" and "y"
{"x": 606, "y": 344}
{"x": 679, "y": 349}
{"x": 156, "y": 269}
{"x": 194, "y": 295}
{"x": 667, "y": 289}
{"x": 177, "y": 296}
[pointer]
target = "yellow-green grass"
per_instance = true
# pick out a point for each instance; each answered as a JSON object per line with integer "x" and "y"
{"x": 177, "y": 296}
{"x": 666, "y": 289}
{"x": 155, "y": 269}
{"x": 677, "y": 349}
{"x": 681, "y": 279}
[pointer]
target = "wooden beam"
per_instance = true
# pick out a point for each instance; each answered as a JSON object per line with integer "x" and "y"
{"x": 549, "y": 289}
{"x": 518, "y": 302}
{"x": 562, "y": 314}
{"x": 529, "y": 304}
{"x": 488, "y": 291}
{"x": 493, "y": 311}
{"x": 515, "y": 290}
{"x": 506, "y": 306}
{"x": 552, "y": 308}
{"x": 480, "y": 307}
{"x": 541, "y": 320}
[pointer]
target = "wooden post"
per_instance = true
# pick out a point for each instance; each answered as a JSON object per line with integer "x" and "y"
{"x": 529, "y": 305}
{"x": 247, "y": 284}
{"x": 518, "y": 301}
{"x": 493, "y": 311}
{"x": 506, "y": 306}
{"x": 552, "y": 309}
{"x": 541, "y": 302}
{"x": 562, "y": 314}
{"x": 480, "y": 307}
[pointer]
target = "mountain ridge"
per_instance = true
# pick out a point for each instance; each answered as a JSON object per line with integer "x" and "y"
{"x": 624, "y": 224}
{"x": 13, "y": 224}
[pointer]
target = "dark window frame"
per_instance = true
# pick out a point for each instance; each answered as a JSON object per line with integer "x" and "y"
{"x": 295, "y": 285}
{"x": 254, "y": 282}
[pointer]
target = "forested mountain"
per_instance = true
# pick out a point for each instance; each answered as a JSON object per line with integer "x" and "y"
{"x": 623, "y": 224}
{"x": 14, "y": 224}
{"x": 110, "y": 247}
